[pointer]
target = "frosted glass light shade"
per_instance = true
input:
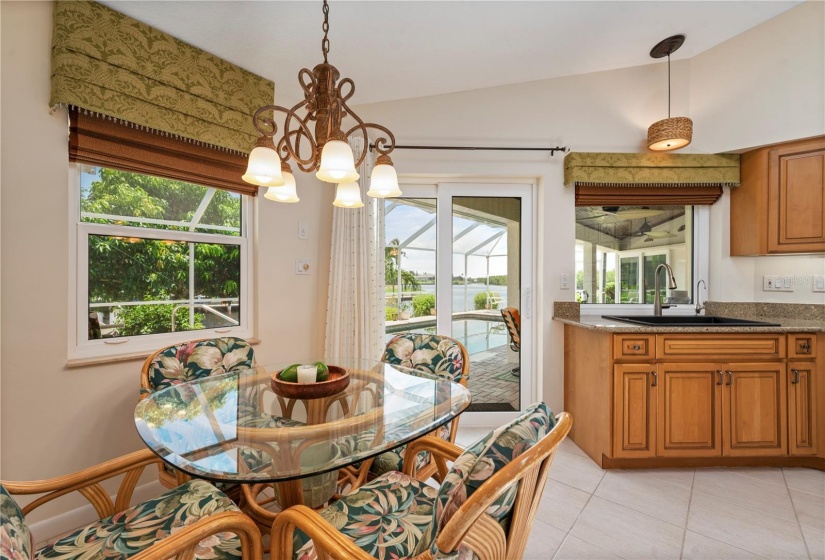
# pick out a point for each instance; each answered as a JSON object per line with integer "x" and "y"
{"x": 284, "y": 193}
{"x": 264, "y": 168}
{"x": 384, "y": 182}
{"x": 337, "y": 163}
{"x": 348, "y": 195}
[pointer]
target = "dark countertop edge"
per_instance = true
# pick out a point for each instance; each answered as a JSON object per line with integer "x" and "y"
{"x": 613, "y": 327}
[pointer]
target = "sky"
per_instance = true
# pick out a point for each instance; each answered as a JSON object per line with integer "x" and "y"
{"x": 404, "y": 221}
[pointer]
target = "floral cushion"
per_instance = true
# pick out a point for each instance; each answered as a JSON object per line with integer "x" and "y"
{"x": 426, "y": 352}
{"x": 131, "y": 531}
{"x": 482, "y": 460}
{"x": 386, "y": 518}
{"x": 393, "y": 460}
{"x": 194, "y": 360}
{"x": 16, "y": 542}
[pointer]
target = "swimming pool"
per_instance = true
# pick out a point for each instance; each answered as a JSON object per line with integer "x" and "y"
{"x": 475, "y": 335}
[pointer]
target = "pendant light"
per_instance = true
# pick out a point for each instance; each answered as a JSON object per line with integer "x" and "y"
{"x": 324, "y": 147}
{"x": 671, "y": 133}
{"x": 285, "y": 192}
{"x": 348, "y": 195}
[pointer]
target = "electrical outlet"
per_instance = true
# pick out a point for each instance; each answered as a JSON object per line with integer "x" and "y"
{"x": 768, "y": 283}
{"x": 301, "y": 266}
{"x": 565, "y": 283}
{"x": 819, "y": 284}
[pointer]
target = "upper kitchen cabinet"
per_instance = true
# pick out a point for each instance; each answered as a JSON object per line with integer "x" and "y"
{"x": 780, "y": 206}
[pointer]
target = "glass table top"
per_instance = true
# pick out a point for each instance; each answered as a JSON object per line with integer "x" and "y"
{"x": 234, "y": 427}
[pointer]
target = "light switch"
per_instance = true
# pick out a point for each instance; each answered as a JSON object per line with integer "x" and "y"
{"x": 303, "y": 230}
{"x": 819, "y": 284}
{"x": 787, "y": 283}
{"x": 301, "y": 266}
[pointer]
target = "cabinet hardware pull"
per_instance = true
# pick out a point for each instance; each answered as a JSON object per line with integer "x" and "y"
{"x": 805, "y": 347}
{"x": 637, "y": 347}
{"x": 795, "y": 379}
{"x": 655, "y": 378}
{"x": 721, "y": 377}
{"x": 730, "y": 377}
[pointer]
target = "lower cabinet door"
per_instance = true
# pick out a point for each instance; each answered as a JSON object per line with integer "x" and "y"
{"x": 634, "y": 410}
{"x": 689, "y": 410}
{"x": 801, "y": 408}
{"x": 755, "y": 410}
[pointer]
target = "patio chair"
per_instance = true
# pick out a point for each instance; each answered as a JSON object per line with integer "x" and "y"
{"x": 512, "y": 319}
{"x": 483, "y": 509}
{"x": 438, "y": 354}
{"x": 194, "y": 520}
{"x": 187, "y": 361}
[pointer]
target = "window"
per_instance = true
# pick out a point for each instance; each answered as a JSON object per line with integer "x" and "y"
{"x": 619, "y": 247}
{"x": 156, "y": 259}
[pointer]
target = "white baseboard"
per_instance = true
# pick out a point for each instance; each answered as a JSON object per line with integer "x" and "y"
{"x": 47, "y": 529}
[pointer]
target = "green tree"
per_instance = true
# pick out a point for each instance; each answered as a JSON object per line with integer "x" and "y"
{"x": 140, "y": 269}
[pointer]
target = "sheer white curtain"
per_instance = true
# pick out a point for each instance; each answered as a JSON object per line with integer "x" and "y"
{"x": 355, "y": 305}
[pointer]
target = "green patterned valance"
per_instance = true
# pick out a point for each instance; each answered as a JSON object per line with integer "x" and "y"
{"x": 651, "y": 170}
{"x": 108, "y": 63}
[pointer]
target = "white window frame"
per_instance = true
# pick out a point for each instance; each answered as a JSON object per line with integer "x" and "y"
{"x": 81, "y": 349}
{"x": 701, "y": 264}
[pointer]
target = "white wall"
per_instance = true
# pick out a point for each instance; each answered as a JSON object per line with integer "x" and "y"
{"x": 610, "y": 112}
{"x": 56, "y": 420}
{"x": 764, "y": 86}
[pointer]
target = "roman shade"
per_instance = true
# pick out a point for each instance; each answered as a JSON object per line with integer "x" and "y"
{"x": 649, "y": 179}
{"x": 110, "y": 64}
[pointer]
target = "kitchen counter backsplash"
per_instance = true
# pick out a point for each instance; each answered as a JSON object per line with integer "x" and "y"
{"x": 753, "y": 310}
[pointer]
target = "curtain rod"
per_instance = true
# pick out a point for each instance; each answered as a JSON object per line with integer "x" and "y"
{"x": 497, "y": 148}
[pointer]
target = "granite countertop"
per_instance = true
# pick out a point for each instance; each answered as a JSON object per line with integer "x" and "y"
{"x": 599, "y": 323}
{"x": 786, "y": 315}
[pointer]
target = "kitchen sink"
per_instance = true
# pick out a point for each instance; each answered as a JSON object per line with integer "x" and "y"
{"x": 688, "y": 321}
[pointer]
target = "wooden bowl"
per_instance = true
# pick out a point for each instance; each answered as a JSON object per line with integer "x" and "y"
{"x": 337, "y": 381}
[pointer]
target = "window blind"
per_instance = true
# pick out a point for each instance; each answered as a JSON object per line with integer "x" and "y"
{"x": 110, "y": 64}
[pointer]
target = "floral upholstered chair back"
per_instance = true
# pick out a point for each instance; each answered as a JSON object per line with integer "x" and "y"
{"x": 431, "y": 353}
{"x": 16, "y": 540}
{"x": 194, "y": 360}
{"x": 481, "y": 461}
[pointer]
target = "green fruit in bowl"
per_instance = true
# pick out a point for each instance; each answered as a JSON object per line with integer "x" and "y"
{"x": 323, "y": 371}
{"x": 290, "y": 374}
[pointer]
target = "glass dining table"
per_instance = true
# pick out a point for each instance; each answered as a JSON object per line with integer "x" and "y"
{"x": 235, "y": 428}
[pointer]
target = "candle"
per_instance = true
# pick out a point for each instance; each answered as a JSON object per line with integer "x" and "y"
{"x": 307, "y": 374}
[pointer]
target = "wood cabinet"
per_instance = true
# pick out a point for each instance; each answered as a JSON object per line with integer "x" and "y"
{"x": 694, "y": 399}
{"x": 634, "y": 394}
{"x": 754, "y": 411}
{"x": 690, "y": 411}
{"x": 780, "y": 205}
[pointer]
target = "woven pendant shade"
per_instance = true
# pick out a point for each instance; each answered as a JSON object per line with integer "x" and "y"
{"x": 670, "y": 134}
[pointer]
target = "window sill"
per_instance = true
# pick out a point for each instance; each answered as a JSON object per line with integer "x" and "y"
{"x": 128, "y": 357}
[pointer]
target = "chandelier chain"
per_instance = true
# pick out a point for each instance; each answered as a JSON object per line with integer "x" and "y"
{"x": 668, "y": 85}
{"x": 325, "y": 27}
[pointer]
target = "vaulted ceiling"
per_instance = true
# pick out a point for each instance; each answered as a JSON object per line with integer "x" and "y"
{"x": 403, "y": 49}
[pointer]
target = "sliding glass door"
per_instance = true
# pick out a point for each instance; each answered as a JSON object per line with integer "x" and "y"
{"x": 457, "y": 255}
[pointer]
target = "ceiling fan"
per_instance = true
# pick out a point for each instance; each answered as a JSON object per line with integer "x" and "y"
{"x": 624, "y": 214}
{"x": 646, "y": 230}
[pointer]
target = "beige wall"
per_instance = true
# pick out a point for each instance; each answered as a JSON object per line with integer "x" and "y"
{"x": 54, "y": 419}
{"x": 610, "y": 111}
{"x": 764, "y": 86}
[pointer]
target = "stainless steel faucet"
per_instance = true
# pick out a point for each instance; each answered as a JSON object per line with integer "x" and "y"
{"x": 657, "y": 297}
{"x": 699, "y": 307}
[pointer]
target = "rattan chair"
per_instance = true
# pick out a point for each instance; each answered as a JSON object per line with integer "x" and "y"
{"x": 192, "y": 521}
{"x": 430, "y": 354}
{"x": 485, "y": 506}
{"x": 187, "y": 361}
{"x": 512, "y": 319}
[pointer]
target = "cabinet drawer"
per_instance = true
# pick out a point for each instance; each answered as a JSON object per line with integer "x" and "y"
{"x": 687, "y": 347}
{"x": 633, "y": 347}
{"x": 801, "y": 346}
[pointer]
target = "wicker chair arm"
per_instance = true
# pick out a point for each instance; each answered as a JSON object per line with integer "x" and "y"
{"x": 441, "y": 450}
{"x": 87, "y": 482}
{"x": 181, "y": 544}
{"x": 327, "y": 538}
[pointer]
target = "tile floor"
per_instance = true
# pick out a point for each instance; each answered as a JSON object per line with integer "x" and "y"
{"x": 690, "y": 514}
